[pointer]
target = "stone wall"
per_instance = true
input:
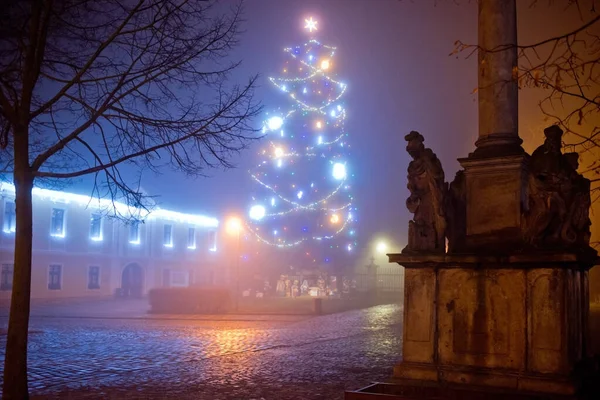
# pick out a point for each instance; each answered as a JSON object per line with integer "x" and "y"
{"x": 495, "y": 323}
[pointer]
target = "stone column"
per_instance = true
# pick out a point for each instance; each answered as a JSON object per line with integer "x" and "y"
{"x": 498, "y": 88}
{"x": 496, "y": 172}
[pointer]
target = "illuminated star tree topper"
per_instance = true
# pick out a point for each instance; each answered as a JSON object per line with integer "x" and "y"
{"x": 311, "y": 24}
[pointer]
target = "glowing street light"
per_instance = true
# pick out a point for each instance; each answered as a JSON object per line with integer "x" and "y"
{"x": 234, "y": 227}
{"x": 381, "y": 247}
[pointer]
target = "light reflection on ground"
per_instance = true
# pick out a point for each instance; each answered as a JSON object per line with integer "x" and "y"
{"x": 277, "y": 359}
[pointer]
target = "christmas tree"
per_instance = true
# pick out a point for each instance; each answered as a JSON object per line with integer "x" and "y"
{"x": 303, "y": 194}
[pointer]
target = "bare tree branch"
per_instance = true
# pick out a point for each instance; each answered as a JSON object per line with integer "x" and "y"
{"x": 88, "y": 87}
{"x": 566, "y": 69}
{"x": 105, "y": 83}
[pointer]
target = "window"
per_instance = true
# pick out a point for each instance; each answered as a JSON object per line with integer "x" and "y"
{"x": 7, "y": 276}
{"x": 96, "y": 227}
{"x": 168, "y": 236}
{"x": 9, "y": 216}
{"x": 94, "y": 277}
{"x": 191, "y": 238}
{"x": 212, "y": 241}
{"x": 179, "y": 278}
{"x": 54, "y": 277}
{"x": 134, "y": 232}
{"x": 57, "y": 229}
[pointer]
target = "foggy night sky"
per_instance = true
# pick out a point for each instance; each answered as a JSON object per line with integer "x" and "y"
{"x": 394, "y": 56}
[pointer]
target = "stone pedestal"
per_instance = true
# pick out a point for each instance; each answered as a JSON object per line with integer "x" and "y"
{"x": 496, "y": 193}
{"x": 517, "y": 322}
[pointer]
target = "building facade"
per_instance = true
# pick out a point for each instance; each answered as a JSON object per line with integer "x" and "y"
{"x": 78, "y": 251}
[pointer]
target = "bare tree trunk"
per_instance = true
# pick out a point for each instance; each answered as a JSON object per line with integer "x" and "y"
{"x": 15, "y": 362}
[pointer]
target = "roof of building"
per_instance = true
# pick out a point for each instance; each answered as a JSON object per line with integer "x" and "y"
{"x": 115, "y": 207}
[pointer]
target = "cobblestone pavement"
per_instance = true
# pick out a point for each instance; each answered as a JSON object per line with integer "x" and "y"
{"x": 312, "y": 358}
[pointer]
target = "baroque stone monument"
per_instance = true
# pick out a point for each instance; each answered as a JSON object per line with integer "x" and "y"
{"x": 427, "y": 188}
{"x": 505, "y": 305}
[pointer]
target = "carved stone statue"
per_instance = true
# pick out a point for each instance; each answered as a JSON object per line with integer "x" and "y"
{"x": 559, "y": 197}
{"x": 426, "y": 231}
{"x": 576, "y": 229}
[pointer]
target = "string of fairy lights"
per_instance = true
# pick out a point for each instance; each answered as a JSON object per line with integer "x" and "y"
{"x": 303, "y": 190}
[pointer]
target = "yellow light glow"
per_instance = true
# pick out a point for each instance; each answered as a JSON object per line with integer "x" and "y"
{"x": 381, "y": 247}
{"x": 234, "y": 226}
{"x": 319, "y": 124}
{"x": 278, "y": 152}
{"x": 325, "y": 64}
{"x": 334, "y": 219}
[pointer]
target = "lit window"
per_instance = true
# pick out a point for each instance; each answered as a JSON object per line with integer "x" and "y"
{"x": 134, "y": 232}
{"x": 57, "y": 229}
{"x": 94, "y": 277}
{"x": 54, "y": 277}
{"x": 168, "y": 236}
{"x": 7, "y": 276}
{"x": 212, "y": 241}
{"x": 96, "y": 227}
{"x": 10, "y": 217}
{"x": 191, "y": 238}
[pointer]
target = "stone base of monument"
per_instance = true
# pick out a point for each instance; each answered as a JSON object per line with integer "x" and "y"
{"x": 504, "y": 306}
{"x": 422, "y": 390}
{"x": 516, "y": 322}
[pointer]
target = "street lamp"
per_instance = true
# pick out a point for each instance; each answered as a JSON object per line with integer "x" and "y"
{"x": 380, "y": 248}
{"x": 234, "y": 228}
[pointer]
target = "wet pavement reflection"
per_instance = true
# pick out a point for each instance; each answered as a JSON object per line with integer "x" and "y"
{"x": 309, "y": 358}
